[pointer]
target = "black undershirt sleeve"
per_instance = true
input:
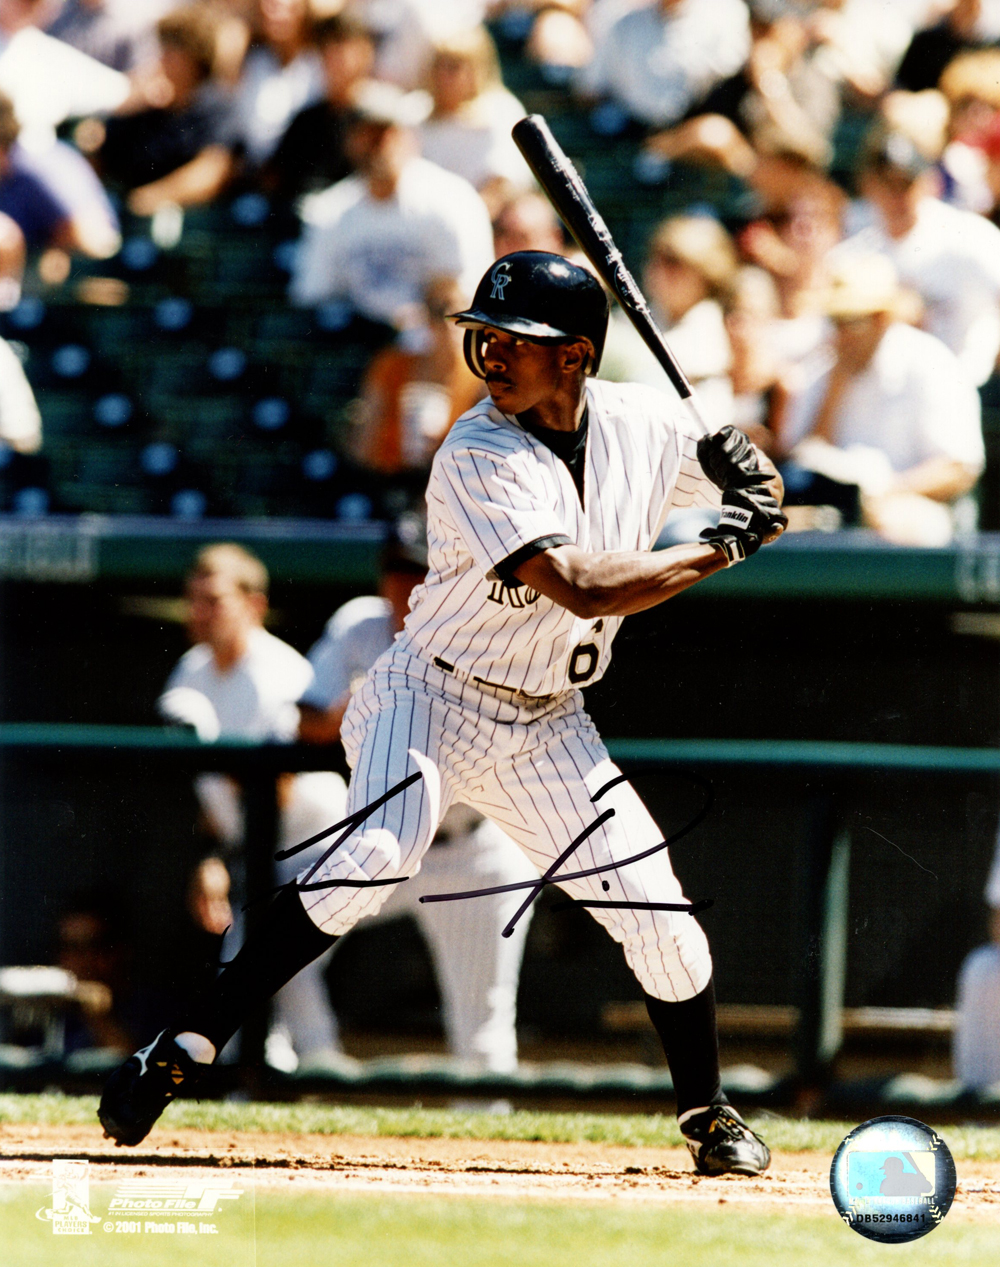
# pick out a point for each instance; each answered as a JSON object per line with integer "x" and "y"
{"x": 504, "y": 571}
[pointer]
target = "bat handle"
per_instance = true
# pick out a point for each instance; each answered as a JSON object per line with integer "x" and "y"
{"x": 702, "y": 425}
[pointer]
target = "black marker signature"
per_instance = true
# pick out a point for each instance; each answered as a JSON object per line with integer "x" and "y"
{"x": 550, "y": 876}
{"x": 348, "y": 824}
{"x": 535, "y": 887}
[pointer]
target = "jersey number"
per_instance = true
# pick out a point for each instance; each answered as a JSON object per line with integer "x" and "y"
{"x": 583, "y": 662}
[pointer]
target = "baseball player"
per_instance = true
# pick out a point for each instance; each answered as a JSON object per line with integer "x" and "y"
{"x": 543, "y": 505}
{"x": 476, "y": 967}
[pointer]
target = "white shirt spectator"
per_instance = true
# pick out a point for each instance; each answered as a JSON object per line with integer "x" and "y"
{"x": 48, "y": 82}
{"x": 477, "y": 145}
{"x": 20, "y": 421}
{"x": 119, "y": 33}
{"x": 381, "y": 254}
{"x": 409, "y": 29}
{"x": 256, "y": 698}
{"x": 865, "y": 42}
{"x": 951, "y": 258}
{"x": 267, "y": 98}
{"x": 912, "y": 403}
{"x": 657, "y": 65}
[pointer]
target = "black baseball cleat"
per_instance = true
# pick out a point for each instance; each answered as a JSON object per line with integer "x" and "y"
{"x": 721, "y": 1143}
{"x": 139, "y": 1090}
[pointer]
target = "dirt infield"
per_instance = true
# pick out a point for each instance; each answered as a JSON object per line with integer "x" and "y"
{"x": 490, "y": 1168}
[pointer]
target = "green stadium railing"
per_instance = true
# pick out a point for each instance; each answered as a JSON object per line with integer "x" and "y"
{"x": 818, "y": 566}
{"x": 822, "y": 863}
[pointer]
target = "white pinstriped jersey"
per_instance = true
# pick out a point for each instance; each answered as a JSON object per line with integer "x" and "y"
{"x": 495, "y": 489}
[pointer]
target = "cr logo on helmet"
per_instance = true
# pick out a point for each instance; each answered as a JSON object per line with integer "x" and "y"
{"x": 500, "y": 277}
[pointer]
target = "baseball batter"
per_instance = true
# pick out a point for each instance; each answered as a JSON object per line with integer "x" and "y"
{"x": 543, "y": 506}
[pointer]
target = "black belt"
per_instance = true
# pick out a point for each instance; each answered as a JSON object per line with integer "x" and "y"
{"x": 494, "y": 686}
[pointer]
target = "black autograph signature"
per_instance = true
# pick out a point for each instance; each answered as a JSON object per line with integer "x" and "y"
{"x": 534, "y": 888}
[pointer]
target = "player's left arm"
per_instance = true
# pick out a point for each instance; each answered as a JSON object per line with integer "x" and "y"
{"x": 616, "y": 583}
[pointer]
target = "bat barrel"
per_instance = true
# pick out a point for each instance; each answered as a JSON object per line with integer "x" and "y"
{"x": 568, "y": 194}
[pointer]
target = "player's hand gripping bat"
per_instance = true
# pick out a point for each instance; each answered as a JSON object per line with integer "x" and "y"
{"x": 568, "y": 194}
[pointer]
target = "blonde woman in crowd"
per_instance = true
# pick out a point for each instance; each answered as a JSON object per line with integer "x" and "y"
{"x": 468, "y": 131}
{"x": 691, "y": 263}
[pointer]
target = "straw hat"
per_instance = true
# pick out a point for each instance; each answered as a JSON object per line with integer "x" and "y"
{"x": 861, "y": 285}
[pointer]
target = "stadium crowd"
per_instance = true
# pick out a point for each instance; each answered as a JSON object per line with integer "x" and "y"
{"x": 845, "y": 316}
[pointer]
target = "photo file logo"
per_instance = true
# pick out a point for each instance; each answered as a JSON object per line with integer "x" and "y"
{"x": 173, "y": 1195}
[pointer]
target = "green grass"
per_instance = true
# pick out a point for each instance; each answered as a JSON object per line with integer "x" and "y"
{"x": 431, "y": 1232}
{"x": 787, "y": 1134}
{"x": 310, "y": 1229}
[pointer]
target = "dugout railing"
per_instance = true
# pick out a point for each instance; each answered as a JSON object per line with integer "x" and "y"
{"x": 822, "y": 862}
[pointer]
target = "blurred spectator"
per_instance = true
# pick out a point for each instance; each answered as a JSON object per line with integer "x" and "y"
{"x": 406, "y": 32}
{"x": 94, "y": 946}
{"x": 381, "y": 237}
{"x": 794, "y": 246}
{"x": 312, "y": 154}
{"x": 527, "y": 223}
{"x": 47, "y": 80}
{"x": 24, "y": 198}
{"x": 757, "y": 369}
{"x": 784, "y": 96}
{"x": 119, "y": 33}
{"x": 977, "y": 1033}
{"x": 970, "y": 87}
{"x": 775, "y": 167}
{"x": 560, "y": 40}
{"x": 281, "y": 75}
{"x": 659, "y": 61}
{"x": 690, "y": 264}
{"x": 173, "y": 153}
{"x": 240, "y": 681}
{"x": 20, "y": 420}
{"x": 12, "y": 258}
{"x": 410, "y": 397}
{"x": 863, "y": 43}
{"x": 468, "y": 131}
{"x": 949, "y": 257}
{"x": 968, "y": 24}
{"x": 892, "y": 412}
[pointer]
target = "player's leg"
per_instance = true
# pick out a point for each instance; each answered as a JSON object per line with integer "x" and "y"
{"x": 977, "y": 1035}
{"x": 395, "y": 795}
{"x": 477, "y": 968}
{"x": 558, "y": 783}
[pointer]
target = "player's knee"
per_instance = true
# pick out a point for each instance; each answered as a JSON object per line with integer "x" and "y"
{"x": 673, "y": 968}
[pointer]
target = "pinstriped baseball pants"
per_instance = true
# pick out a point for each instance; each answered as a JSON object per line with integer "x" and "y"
{"x": 532, "y": 767}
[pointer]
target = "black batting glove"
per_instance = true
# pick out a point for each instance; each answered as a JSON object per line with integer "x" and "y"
{"x": 748, "y": 516}
{"x": 730, "y": 460}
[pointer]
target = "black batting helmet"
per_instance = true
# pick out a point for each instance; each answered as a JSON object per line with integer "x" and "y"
{"x": 540, "y": 296}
